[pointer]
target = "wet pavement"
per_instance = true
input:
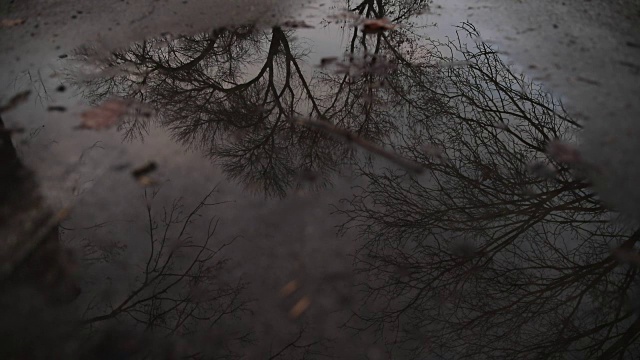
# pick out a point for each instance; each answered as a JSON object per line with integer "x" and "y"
{"x": 324, "y": 179}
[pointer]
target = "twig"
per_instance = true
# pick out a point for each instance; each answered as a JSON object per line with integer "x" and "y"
{"x": 327, "y": 127}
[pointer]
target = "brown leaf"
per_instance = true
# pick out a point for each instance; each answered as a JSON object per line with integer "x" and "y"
{"x": 105, "y": 116}
{"x": 300, "y": 307}
{"x": 9, "y": 23}
{"x": 144, "y": 170}
{"x": 16, "y": 100}
{"x": 289, "y": 288}
{"x": 63, "y": 213}
{"x": 328, "y": 60}
{"x": 146, "y": 181}
{"x": 57, "y": 108}
{"x": 377, "y": 25}
{"x": 141, "y": 173}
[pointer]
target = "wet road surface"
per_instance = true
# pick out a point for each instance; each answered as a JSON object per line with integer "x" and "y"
{"x": 362, "y": 180}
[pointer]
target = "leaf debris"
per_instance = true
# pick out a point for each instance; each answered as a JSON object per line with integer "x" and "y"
{"x": 9, "y": 23}
{"x": 16, "y": 100}
{"x": 56, "y": 108}
{"x": 104, "y": 116}
{"x": 372, "y": 26}
{"x": 145, "y": 169}
{"x": 294, "y": 24}
{"x": 289, "y": 288}
{"x": 300, "y": 307}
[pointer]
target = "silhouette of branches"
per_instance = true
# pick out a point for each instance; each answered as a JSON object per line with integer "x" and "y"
{"x": 231, "y": 92}
{"x": 181, "y": 289}
{"x": 482, "y": 258}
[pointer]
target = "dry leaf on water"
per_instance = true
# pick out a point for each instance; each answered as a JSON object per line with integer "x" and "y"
{"x": 141, "y": 174}
{"x": 146, "y": 181}
{"x": 289, "y": 288}
{"x": 300, "y": 307}
{"x": 56, "y": 108}
{"x": 16, "y": 100}
{"x": 9, "y": 23}
{"x": 105, "y": 116}
{"x": 328, "y": 60}
{"x": 145, "y": 169}
{"x": 377, "y": 25}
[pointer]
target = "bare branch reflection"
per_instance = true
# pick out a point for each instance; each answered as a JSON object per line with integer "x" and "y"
{"x": 485, "y": 257}
{"x": 182, "y": 287}
{"x": 498, "y": 251}
{"x": 232, "y": 93}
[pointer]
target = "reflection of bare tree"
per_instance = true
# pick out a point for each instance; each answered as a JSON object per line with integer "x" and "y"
{"x": 181, "y": 288}
{"x": 482, "y": 259}
{"x": 297, "y": 348}
{"x": 233, "y": 92}
{"x": 230, "y": 93}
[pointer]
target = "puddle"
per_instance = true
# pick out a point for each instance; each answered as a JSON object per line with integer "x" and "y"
{"x": 298, "y": 180}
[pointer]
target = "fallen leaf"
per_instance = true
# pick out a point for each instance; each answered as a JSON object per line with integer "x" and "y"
{"x": 377, "y": 25}
{"x": 146, "y": 181}
{"x": 300, "y": 307}
{"x": 16, "y": 100}
{"x": 105, "y": 116}
{"x": 63, "y": 213}
{"x": 289, "y": 288}
{"x": 145, "y": 169}
{"x": 328, "y": 60}
{"x": 57, "y": 108}
{"x": 9, "y": 23}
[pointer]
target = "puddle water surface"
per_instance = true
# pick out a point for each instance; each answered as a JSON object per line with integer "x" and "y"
{"x": 368, "y": 180}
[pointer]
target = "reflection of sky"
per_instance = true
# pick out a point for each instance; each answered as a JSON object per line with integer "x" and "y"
{"x": 102, "y": 193}
{"x": 40, "y": 70}
{"x": 280, "y": 239}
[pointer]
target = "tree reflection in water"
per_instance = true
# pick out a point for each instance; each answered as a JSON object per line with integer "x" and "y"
{"x": 232, "y": 93}
{"x": 180, "y": 288}
{"x": 480, "y": 257}
{"x": 483, "y": 258}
